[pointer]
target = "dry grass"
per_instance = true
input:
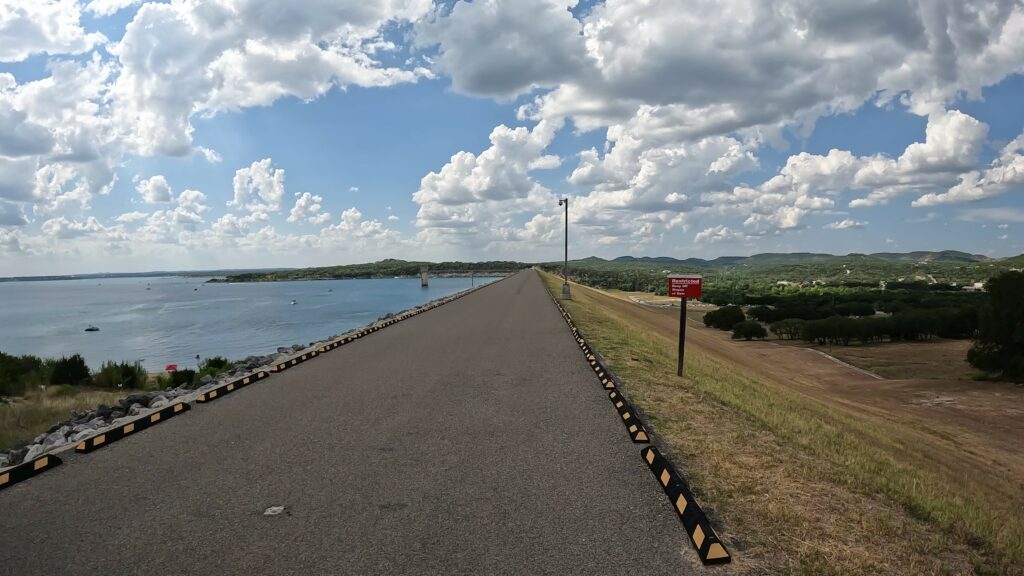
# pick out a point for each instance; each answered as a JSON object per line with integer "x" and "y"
{"x": 796, "y": 486}
{"x": 25, "y": 418}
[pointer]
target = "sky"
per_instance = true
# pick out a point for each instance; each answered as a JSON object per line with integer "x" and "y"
{"x": 192, "y": 134}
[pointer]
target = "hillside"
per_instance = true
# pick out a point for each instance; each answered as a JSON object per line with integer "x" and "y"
{"x": 940, "y": 270}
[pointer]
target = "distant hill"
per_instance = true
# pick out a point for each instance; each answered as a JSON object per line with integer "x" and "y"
{"x": 801, "y": 258}
{"x": 944, "y": 256}
{"x": 389, "y": 268}
{"x": 946, "y": 269}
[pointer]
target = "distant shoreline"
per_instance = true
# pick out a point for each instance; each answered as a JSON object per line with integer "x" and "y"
{"x": 229, "y": 280}
{"x": 154, "y": 274}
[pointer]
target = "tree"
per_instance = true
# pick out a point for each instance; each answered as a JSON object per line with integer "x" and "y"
{"x": 1000, "y": 343}
{"x": 788, "y": 329}
{"x": 748, "y": 330}
{"x": 71, "y": 370}
{"x": 724, "y": 318}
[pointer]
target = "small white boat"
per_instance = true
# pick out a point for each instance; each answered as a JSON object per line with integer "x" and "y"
{"x": 294, "y": 302}
{"x": 92, "y": 328}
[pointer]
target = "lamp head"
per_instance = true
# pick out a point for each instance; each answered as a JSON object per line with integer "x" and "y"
{"x": 560, "y": 202}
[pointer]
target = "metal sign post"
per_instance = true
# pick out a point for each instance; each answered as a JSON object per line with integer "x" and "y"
{"x": 683, "y": 287}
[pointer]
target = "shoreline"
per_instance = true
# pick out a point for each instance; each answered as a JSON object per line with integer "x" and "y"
{"x": 64, "y": 435}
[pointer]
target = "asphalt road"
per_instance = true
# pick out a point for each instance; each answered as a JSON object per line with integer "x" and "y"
{"x": 472, "y": 439}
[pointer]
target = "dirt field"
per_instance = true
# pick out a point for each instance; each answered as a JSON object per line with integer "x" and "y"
{"x": 938, "y": 360}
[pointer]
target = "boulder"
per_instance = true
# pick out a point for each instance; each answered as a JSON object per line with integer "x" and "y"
{"x": 33, "y": 451}
{"x": 17, "y": 456}
{"x": 82, "y": 435}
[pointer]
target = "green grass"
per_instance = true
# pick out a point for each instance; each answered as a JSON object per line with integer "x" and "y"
{"x": 892, "y": 511}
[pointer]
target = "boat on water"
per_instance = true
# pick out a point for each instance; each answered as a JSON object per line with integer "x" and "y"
{"x": 92, "y": 328}
{"x": 294, "y": 302}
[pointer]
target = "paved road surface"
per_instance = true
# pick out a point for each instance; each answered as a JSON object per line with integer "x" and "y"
{"x": 472, "y": 439}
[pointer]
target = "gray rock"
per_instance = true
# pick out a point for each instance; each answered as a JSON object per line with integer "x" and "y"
{"x": 33, "y": 451}
{"x": 120, "y": 421}
{"x": 135, "y": 410}
{"x": 17, "y": 456}
{"x": 57, "y": 437}
{"x": 159, "y": 402}
{"x": 206, "y": 379}
{"x": 82, "y": 435}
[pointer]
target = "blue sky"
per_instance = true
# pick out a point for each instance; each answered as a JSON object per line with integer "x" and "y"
{"x": 247, "y": 133}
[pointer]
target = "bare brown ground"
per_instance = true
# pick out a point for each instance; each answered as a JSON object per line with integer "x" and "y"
{"x": 961, "y": 424}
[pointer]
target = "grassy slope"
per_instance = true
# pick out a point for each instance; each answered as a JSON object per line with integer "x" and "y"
{"x": 795, "y": 486}
{"x": 27, "y": 417}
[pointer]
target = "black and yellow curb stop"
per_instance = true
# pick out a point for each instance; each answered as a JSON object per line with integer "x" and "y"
{"x": 709, "y": 547}
{"x": 289, "y": 362}
{"x": 211, "y": 395}
{"x": 634, "y": 426}
{"x": 24, "y": 471}
{"x": 637, "y": 432}
{"x": 114, "y": 434}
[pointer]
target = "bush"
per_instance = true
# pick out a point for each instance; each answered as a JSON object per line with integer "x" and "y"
{"x": 121, "y": 375}
{"x": 71, "y": 370}
{"x": 748, "y": 330}
{"x": 214, "y": 365}
{"x": 19, "y": 373}
{"x": 725, "y": 318}
{"x": 182, "y": 378}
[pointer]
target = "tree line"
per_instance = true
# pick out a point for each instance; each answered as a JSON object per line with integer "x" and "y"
{"x": 995, "y": 322}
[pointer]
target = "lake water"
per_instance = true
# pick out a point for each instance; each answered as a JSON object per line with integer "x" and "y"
{"x": 177, "y": 317}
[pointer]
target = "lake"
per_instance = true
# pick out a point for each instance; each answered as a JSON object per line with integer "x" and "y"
{"x": 161, "y": 321}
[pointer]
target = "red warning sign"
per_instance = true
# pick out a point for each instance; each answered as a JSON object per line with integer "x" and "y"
{"x": 685, "y": 286}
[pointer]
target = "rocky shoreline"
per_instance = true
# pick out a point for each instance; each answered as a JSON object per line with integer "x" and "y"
{"x": 80, "y": 425}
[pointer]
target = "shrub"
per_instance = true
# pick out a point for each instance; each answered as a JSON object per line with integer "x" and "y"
{"x": 66, "y": 390}
{"x": 724, "y": 318}
{"x": 182, "y": 378}
{"x": 71, "y": 370}
{"x": 18, "y": 373}
{"x": 214, "y": 365}
{"x": 748, "y": 330}
{"x": 121, "y": 375}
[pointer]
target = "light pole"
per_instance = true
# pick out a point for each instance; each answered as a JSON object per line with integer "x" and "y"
{"x": 565, "y": 270}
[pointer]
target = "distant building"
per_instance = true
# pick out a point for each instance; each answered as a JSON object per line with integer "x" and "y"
{"x": 975, "y": 287}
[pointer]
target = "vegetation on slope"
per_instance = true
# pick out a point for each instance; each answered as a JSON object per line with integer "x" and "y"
{"x": 798, "y": 486}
